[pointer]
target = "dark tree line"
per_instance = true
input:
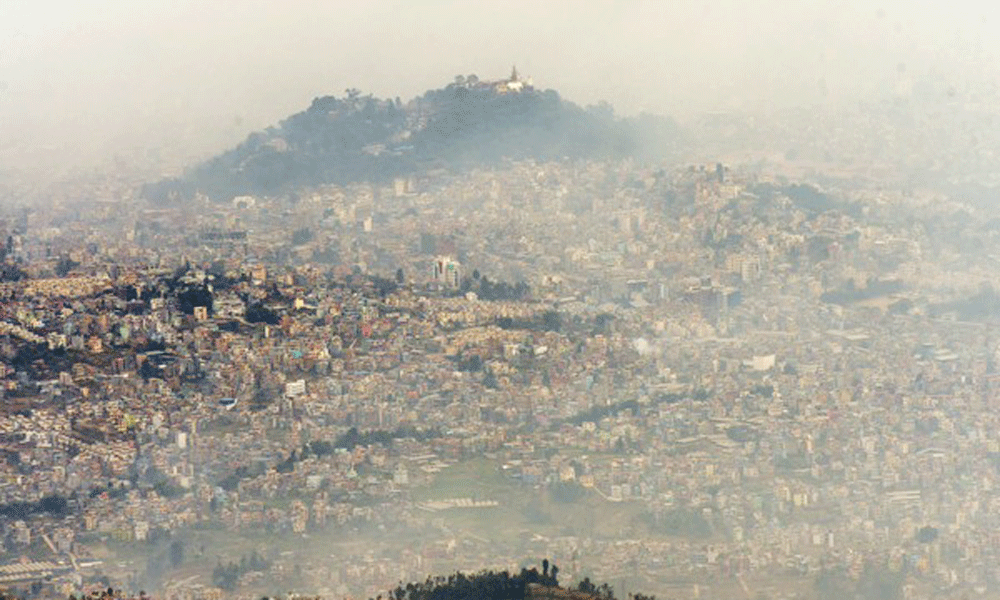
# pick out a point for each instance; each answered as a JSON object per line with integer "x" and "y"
{"x": 65, "y": 265}
{"x": 498, "y": 585}
{"x": 486, "y": 289}
{"x": 50, "y": 505}
{"x": 874, "y": 288}
{"x": 806, "y": 197}
{"x": 302, "y": 236}
{"x": 549, "y": 320}
{"x": 469, "y": 364}
{"x": 983, "y": 305}
{"x": 196, "y": 295}
{"x": 348, "y": 440}
{"x": 231, "y": 482}
{"x": 596, "y": 413}
{"x": 352, "y": 438}
{"x": 226, "y": 576}
{"x": 11, "y": 272}
{"x": 684, "y": 522}
{"x": 258, "y": 313}
{"x": 488, "y": 585}
{"x": 385, "y": 286}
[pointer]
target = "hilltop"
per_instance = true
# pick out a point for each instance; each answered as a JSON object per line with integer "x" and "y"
{"x": 467, "y": 123}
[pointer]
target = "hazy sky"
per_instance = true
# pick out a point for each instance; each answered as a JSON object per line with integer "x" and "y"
{"x": 82, "y": 80}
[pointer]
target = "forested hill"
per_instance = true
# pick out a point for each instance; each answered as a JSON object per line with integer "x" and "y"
{"x": 362, "y": 138}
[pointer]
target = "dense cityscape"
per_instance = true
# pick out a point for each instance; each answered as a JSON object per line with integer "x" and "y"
{"x": 697, "y": 381}
{"x": 499, "y": 300}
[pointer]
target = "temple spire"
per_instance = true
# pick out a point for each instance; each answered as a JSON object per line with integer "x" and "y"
{"x": 513, "y": 73}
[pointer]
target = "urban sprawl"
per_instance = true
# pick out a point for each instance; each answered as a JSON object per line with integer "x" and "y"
{"x": 699, "y": 382}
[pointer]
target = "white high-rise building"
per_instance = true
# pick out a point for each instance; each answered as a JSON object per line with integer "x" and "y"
{"x": 447, "y": 271}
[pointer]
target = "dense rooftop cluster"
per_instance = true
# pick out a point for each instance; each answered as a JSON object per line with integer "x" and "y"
{"x": 710, "y": 379}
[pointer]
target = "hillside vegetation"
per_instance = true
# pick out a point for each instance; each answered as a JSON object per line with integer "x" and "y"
{"x": 339, "y": 140}
{"x": 529, "y": 584}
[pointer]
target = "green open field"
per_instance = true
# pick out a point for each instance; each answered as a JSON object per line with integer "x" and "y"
{"x": 478, "y": 479}
{"x": 523, "y": 509}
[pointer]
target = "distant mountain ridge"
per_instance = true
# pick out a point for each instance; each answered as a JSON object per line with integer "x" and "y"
{"x": 467, "y": 123}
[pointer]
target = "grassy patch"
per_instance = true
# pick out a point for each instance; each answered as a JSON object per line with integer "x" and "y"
{"x": 522, "y": 508}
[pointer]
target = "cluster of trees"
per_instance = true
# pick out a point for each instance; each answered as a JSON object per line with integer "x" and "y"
{"x": 352, "y": 438}
{"x": 490, "y": 381}
{"x": 982, "y": 306}
{"x": 488, "y": 585}
{"x": 603, "y": 591}
{"x": 850, "y": 292}
{"x": 330, "y": 142}
{"x": 595, "y": 413}
{"x": 385, "y": 286}
{"x": 568, "y": 492}
{"x": 469, "y": 364}
{"x": 220, "y": 280}
{"x": 153, "y": 477}
{"x": 108, "y": 594}
{"x": 50, "y": 505}
{"x": 602, "y": 324}
{"x": 232, "y": 481}
{"x": 806, "y": 197}
{"x": 742, "y": 433}
{"x": 302, "y": 236}
{"x": 502, "y": 585}
{"x": 150, "y": 369}
{"x": 681, "y": 522}
{"x": 226, "y": 576}
{"x": 349, "y": 440}
{"x": 357, "y": 138}
{"x": 478, "y": 126}
{"x": 927, "y": 534}
{"x": 549, "y": 320}
{"x": 187, "y": 294}
{"x": 115, "y": 492}
{"x": 258, "y": 313}
{"x": 39, "y": 361}
{"x": 65, "y": 265}
{"x": 493, "y": 290}
{"x": 191, "y": 296}
{"x": 11, "y": 272}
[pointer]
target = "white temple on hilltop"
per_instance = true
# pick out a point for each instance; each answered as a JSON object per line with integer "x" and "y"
{"x": 513, "y": 84}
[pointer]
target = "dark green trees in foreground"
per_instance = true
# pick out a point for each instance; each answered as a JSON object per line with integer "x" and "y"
{"x": 493, "y": 585}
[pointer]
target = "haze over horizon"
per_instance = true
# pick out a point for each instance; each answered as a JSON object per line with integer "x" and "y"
{"x": 83, "y": 82}
{"x": 293, "y": 306}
